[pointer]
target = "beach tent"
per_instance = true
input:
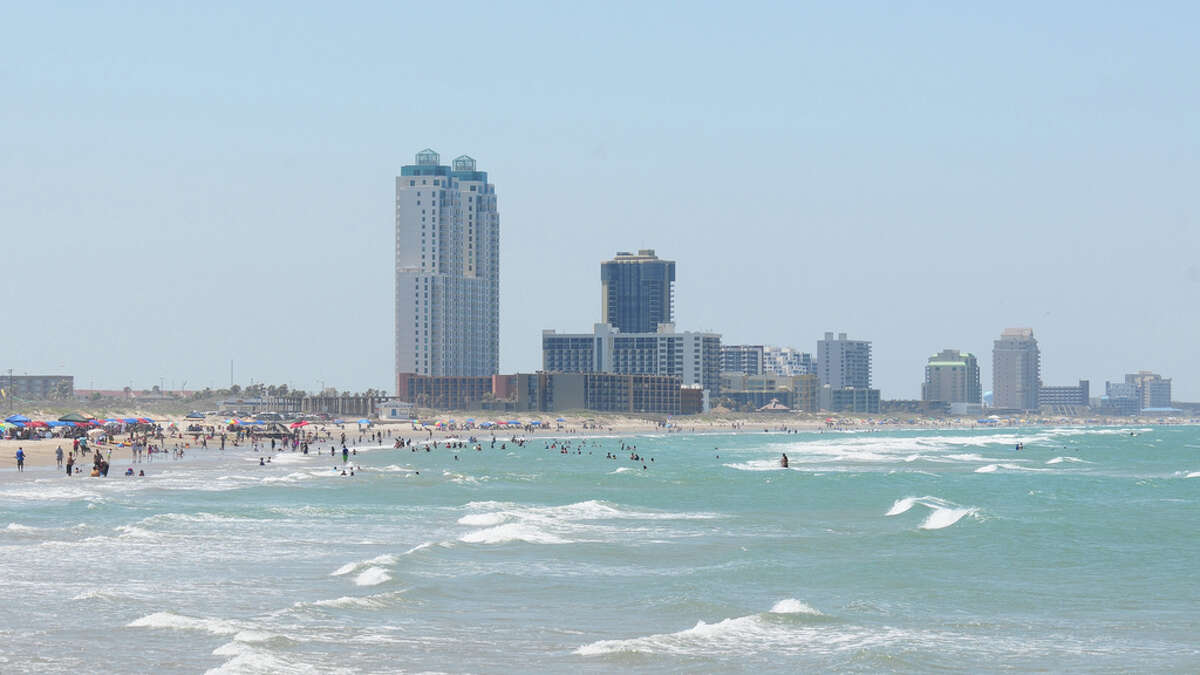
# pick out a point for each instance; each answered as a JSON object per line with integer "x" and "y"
{"x": 16, "y": 418}
{"x": 73, "y": 417}
{"x": 195, "y": 416}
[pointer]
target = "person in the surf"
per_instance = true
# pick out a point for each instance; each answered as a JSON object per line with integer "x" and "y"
{"x": 783, "y": 462}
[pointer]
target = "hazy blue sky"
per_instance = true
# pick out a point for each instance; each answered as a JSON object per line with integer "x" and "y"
{"x": 189, "y": 183}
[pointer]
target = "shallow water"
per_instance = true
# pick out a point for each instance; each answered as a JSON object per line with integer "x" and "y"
{"x": 907, "y": 551}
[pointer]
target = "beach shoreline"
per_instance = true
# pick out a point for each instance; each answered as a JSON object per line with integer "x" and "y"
{"x": 40, "y": 454}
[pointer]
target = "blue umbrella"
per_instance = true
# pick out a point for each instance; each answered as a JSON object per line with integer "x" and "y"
{"x": 471, "y": 420}
{"x": 512, "y": 422}
{"x": 560, "y": 420}
{"x": 339, "y": 421}
{"x": 16, "y": 418}
{"x": 364, "y": 421}
{"x": 130, "y": 420}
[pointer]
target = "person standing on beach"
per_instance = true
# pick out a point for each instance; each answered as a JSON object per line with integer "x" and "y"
{"x": 70, "y": 463}
{"x": 20, "y": 459}
{"x": 58, "y": 456}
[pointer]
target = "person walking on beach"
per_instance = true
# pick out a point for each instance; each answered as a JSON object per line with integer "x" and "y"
{"x": 58, "y": 456}
{"x": 70, "y": 463}
{"x": 20, "y": 459}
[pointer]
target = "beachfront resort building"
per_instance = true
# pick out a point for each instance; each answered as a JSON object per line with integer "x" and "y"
{"x": 36, "y": 387}
{"x": 447, "y": 269}
{"x": 788, "y": 362}
{"x": 1016, "y": 370}
{"x": 743, "y": 359}
{"x": 844, "y": 363}
{"x": 1120, "y": 398}
{"x": 952, "y": 376}
{"x": 768, "y": 359}
{"x": 752, "y": 392}
{"x": 602, "y": 392}
{"x": 1151, "y": 389}
{"x": 637, "y": 292}
{"x": 844, "y": 367}
{"x": 693, "y": 357}
{"x": 1065, "y": 400}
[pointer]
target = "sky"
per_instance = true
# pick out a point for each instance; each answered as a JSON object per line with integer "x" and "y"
{"x": 183, "y": 185}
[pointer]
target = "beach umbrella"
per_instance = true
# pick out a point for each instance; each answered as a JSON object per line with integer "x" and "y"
{"x": 364, "y": 421}
{"x": 16, "y": 418}
{"x": 339, "y": 421}
{"x": 73, "y": 417}
{"x": 297, "y": 425}
{"x": 513, "y": 422}
{"x": 560, "y": 420}
{"x": 145, "y": 420}
{"x": 471, "y": 420}
{"x": 130, "y": 420}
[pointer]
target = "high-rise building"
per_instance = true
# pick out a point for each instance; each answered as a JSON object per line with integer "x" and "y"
{"x": 693, "y": 357}
{"x": 1153, "y": 390}
{"x": 844, "y": 363}
{"x": 637, "y": 292}
{"x": 745, "y": 359}
{"x": 953, "y": 377}
{"x": 759, "y": 359}
{"x": 1016, "y": 370}
{"x": 447, "y": 269}
{"x": 787, "y": 361}
{"x": 1120, "y": 398}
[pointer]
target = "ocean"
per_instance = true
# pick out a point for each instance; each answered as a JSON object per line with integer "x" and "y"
{"x": 874, "y": 551}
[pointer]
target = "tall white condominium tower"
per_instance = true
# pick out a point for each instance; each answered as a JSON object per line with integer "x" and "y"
{"x": 1016, "y": 370}
{"x": 447, "y": 269}
{"x": 844, "y": 363}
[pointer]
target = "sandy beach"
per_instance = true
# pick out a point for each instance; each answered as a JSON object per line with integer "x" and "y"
{"x": 42, "y": 452}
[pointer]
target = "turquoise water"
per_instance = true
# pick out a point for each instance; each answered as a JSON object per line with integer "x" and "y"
{"x": 1077, "y": 552}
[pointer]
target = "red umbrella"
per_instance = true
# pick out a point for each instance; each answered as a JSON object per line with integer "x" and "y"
{"x": 37, "y": 424}
{"x": 297, "y": 425}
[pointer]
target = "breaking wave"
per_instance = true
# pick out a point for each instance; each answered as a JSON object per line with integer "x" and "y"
{"x": 783, "y": 625}
{"x": 942, "y": 514}
{"x": 372, "y": 576}
{"x": 172, "y": 621}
